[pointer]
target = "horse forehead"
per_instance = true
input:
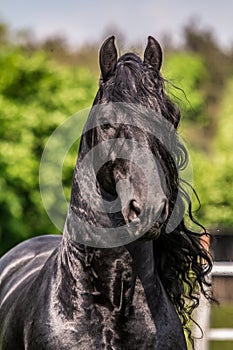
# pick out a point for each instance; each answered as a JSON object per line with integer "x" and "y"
{"x": 127, "y": 117}
{"x": 129, "y": 57}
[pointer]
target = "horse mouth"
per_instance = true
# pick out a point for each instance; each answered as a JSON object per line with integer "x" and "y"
{"x": 148, "y": 224}
{"x": 141, "y": 231}
{"x": 153, "y": 233}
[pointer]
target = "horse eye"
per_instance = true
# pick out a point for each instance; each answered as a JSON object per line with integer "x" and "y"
{"x": 106, "y": 126}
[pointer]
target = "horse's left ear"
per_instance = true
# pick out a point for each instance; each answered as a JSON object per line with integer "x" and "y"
{"x": 108, "y": 58}
{"x": 153, "y": 53}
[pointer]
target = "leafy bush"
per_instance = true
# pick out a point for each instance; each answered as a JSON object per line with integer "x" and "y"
{"x": 36, "y": 95}
{"x": 188, "y": 74}
{"x": 212, "y": 158}
{"x": 214, "y": 170}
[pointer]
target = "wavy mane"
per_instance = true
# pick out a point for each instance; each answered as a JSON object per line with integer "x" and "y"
{"x": 182, "y": 260}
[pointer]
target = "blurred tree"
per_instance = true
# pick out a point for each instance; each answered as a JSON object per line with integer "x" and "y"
{"x": 203, "y": 42}
{"x": 214, "y": 171}
{"x": 188, "y": 74}
{"x": 25, "y": 39}
{"x": 219, "y": 64}
{"x": 4, "y": 34}
{"x": 36, "y": 95}
{"x": 55, "y": 43}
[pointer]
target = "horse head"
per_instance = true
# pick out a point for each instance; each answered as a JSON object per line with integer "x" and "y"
{"x": 122, "y": 178}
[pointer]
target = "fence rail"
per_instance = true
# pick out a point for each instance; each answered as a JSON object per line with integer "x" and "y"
{"x": 222, "y": 269}
{"x": 220, "y": 334}
{"x": 202, "y": 315}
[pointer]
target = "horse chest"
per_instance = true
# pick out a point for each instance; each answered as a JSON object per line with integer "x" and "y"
{"x": 96, "y": 315}
{"x": 99, "y": 326}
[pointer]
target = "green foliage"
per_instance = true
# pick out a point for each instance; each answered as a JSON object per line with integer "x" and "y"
{"x": 188, "y": 73}
{"x": 214, "y": 171}
{"x": 212, "y": 158}
{"x": 219, "y": 62}
{"x": 36, "y": 95}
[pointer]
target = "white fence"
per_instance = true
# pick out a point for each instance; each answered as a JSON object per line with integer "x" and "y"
{"x": 202, "y": 316}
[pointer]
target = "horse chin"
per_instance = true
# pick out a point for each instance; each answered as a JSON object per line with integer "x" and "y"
{"x": 153, "y": 233}
{"x": 136, "y": 227}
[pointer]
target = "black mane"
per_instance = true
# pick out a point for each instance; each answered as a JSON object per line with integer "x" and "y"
{"x": 137, "y": 82}
{"x": 182, "y": 260}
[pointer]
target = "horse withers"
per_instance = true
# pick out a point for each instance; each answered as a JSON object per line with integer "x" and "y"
{"x": 121, "y": 274}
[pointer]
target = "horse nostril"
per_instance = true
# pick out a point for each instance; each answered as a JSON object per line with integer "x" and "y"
{"x": 134, "y": 205}
{"x": 134, "y": 211}
{"x": 164, "y": 212}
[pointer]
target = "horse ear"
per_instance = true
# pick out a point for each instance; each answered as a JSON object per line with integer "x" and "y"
{"x": 108, "y": 58}
{"x": 153, "y": 53}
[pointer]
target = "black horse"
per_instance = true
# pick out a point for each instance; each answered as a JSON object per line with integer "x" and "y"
{"x": 86, "y": 290}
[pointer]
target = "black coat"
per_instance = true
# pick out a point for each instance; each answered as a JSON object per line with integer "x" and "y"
{"x": 55, "y": 294}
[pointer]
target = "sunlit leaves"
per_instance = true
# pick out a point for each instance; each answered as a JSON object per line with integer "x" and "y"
{"x": 36, "y": 95}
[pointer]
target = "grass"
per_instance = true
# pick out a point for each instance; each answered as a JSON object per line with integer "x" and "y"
{"x": 222, "y": 317}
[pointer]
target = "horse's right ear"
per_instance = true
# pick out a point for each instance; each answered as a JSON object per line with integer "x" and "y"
{"x": 108, "y": 58}
{"x": 153, "y": 53}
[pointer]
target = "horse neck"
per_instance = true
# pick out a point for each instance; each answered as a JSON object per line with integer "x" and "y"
{"x": 98, "y": 275}
{"x": 94, "y": 276}
{"x": 107, "y": 271}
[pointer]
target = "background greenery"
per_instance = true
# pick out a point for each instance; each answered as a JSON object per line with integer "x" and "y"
{"x": 43, "y": 84}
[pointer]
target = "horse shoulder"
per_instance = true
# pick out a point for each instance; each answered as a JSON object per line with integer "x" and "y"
{"x": 19, "y": 271}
